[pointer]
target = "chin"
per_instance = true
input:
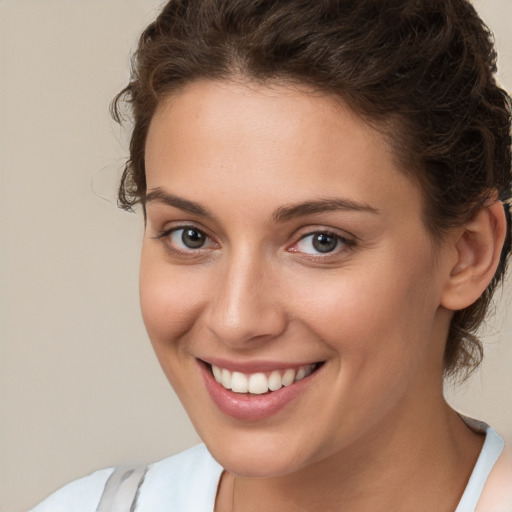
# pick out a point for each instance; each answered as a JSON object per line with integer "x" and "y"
{"x": 258, "y": 456}
{"x": 258, "y": 465}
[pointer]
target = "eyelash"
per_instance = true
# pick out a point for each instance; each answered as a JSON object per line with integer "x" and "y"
{"x": 342, "y": 244}
{"x": 165, "y": 235}
{"x": 339, "y": 240}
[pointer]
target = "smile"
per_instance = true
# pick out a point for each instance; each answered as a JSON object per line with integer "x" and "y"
{"x": 256, "y": 391}
{"x": 260, "y": 382}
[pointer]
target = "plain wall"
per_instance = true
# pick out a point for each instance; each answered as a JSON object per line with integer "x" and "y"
{"x": 80, "y": 388}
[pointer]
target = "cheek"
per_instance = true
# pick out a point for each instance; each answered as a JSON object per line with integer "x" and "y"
{"x": 379, "y": 335}
{"x": 382, "y": 315}
{"x": 170, "y": 301}
{"x": 170, "y": 305}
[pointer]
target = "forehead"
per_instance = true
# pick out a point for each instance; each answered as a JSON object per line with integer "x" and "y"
{"x": 257, "y": 110}
{"x": 262, "y": 142}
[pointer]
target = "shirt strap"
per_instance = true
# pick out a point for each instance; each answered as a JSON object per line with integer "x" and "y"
{"x": 122, "y": 489}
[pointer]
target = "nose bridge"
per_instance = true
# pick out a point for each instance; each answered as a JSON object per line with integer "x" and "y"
{"x": 246, "y": 306}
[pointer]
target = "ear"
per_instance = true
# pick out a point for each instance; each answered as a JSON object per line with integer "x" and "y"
{"x": 478, "y": 251}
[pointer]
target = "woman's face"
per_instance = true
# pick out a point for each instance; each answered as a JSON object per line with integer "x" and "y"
{"x": 285, "y": 249}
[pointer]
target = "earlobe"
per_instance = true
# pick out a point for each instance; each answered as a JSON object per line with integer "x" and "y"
{"x": 478, "y": 251}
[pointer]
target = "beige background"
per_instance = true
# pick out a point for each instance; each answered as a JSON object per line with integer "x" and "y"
{"x": 80, "y": 388}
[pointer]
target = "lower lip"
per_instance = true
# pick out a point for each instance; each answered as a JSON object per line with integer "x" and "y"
{"x": 247, "y": 407}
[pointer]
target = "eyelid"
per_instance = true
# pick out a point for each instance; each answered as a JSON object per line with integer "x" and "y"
{"x": 347, "y": 241}
{"x": 315, "y": 229}
{"x": 169, "y": 227}
{"x": 164, "y": 236}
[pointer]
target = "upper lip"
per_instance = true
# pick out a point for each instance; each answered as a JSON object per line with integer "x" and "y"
{"x": 254, "y": 366}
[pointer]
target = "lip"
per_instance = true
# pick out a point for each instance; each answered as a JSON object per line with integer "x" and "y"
{"x": 248, "y": 407}
{"x": 255, "y": 366}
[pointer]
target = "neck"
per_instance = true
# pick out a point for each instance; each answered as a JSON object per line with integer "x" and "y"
{"x": 409, "y": 463}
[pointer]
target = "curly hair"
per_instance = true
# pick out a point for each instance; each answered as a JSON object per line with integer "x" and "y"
{"x": 421, "y": 71}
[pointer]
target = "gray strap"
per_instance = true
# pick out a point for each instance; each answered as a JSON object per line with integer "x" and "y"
{"x": 122, "y": 489}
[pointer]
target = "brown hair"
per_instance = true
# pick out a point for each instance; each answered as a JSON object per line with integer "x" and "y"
{"x": 421, "y": 70}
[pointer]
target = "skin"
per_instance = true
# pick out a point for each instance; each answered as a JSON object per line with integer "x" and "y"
{"x": 373, "y": 310}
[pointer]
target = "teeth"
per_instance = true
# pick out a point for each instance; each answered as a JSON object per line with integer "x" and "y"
{"x": 301, "y": 373}
{"x": 288, "y": 377}
{"x": 259, "y": 383}
{"x": 225, "y": 379}
{"x": 239, "y": 383}
{"x": 274, "y": 381}
{"x": 217, "y": 373}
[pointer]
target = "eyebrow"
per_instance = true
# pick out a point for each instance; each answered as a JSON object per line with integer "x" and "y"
{"x": 160, "y": 196}
{"x": 288, "y": 212}
{"x": 282, "y": 214}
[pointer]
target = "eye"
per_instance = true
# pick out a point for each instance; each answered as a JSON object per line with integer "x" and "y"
{"x": 186, "y": 239}
{"x": 321, "y": 242}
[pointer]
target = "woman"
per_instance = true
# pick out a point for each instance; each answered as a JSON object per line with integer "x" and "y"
{"x": 325, "y": 188}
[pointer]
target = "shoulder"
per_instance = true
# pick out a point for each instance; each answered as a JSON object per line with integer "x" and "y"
{"x": 82, "y": 495}
{"x": 189, "y": 478}
{"x": 497, "y": 493}
{"x": 186, "y": 481}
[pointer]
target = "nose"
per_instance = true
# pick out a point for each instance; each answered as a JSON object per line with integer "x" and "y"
{"x": 247, "y": 308}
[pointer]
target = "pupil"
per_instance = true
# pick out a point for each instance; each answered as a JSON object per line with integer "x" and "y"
{"x": 324, "y": 243}
{"x": 192, "y": 238}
